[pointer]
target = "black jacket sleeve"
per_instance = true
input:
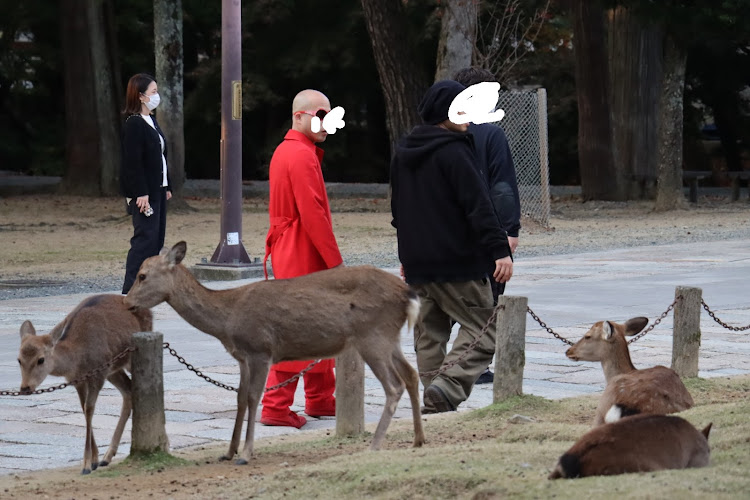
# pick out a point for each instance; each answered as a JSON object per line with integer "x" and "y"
{"x": 132, "y": 171}
{"x": 503, "y": 184}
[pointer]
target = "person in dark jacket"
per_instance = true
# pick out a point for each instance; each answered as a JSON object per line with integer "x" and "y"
{"x": 144, "y": 177}
{"x": 446, "y": 227}
{"x": 495, "y": 166}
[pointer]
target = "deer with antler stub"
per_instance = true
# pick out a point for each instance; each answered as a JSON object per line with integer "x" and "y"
{"x": 313, "y": 316}
{"x": 629, "y": 391}
{"x": 96, "y": 332}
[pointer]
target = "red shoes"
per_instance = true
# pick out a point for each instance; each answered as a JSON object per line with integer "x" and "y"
{"x": 290, "y": 420}
{"x": 328, "y": 410}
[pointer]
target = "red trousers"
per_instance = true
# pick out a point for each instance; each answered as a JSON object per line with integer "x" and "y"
{"x": 320, "y": 385}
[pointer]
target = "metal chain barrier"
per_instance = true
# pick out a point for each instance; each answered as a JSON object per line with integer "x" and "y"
{"x": 75, "y": 382}
{"x": 450, "y": 364}
{"x": 657, "y": 321}
{"x": 728, "y": 327}
{"x": 229, "y": 387}
{"x": 549, "y": 330}
{"x": 644, "y": 332}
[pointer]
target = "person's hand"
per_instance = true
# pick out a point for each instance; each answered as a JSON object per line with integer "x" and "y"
{"x": 142, "y": 203}
{"x": 169, "y": 195}
{"x": 401, "y": 272}
{"x": 503, "y": 270}
{"x": 513, "y": 243}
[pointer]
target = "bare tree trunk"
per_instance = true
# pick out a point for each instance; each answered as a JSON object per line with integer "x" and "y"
{"x": 169, "y": 73}
{"x": 401, "y": 76}
{"x": 669, "y": 180}
{"x": 635, "y": 57}
{"x": 457, "y": 37}
{"x": 92, "y": 142}
{"x": 598, "y": 181}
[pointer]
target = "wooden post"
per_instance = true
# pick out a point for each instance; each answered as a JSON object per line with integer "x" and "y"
{"x": 350, "y": 393}
{"x": 149, "y": 433}
{"x": 686, "y": 337}
{"x": 510, "y": 347}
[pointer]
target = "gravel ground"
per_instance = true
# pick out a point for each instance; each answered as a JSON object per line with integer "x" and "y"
{"x": 66, "y": 245}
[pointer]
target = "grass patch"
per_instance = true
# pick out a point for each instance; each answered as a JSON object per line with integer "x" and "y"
{"x": 478, "y": 455}
{"x": 135, "y": 464}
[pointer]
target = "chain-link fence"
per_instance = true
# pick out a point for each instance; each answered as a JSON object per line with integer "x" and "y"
{"x": 525, "y": 124}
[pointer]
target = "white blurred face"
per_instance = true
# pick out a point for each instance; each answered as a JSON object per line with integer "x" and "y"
{"x": 311, "y": 104}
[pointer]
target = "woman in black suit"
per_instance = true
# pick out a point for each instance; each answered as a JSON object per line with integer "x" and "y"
{"x": 144, "y": 178}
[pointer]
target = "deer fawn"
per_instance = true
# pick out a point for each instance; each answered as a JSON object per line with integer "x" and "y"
{"x": 97, "y": 330}
{"x": 312, "y": 316}
{"x": 628, "y": 391}
{"x": 640, "y": 443}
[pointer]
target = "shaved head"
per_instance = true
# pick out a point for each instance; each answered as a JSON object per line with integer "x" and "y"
{"x": 309, "y": 100}
{"x": 304, "y": 107}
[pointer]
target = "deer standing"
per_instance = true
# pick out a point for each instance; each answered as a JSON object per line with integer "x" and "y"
{"x": 93, "y": 334}
{"x": 309, "y": 317}
{"x": 628, "y": 391}
{"x": 640, "y": 443}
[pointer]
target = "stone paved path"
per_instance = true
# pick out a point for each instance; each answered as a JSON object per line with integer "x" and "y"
{"x": 568, "y": 292}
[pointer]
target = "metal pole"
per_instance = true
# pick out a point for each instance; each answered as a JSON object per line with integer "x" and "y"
{"x": 230, "y": 250}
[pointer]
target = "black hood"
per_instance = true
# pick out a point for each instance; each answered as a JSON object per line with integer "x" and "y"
{"x": 424, "y": 139}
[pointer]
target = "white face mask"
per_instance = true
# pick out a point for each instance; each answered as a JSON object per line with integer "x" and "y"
{"x": 154, "y": 101}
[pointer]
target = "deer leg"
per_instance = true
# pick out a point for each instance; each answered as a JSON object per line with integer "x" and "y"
{"x": 257, "y": 375}
{"x": 87, "y": 394}
{"x": 234, "y": 444}
{"x": 386, "y": 373}
{"x": 94, "y": 386}
{"x": 120, "y": 380}
{"x": 410, "y": 377}
{"x": 82, "y": 390}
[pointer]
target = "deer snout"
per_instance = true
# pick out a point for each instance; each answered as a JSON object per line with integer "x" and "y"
{"x": 26, "y": 390}
{"x": 571, "y": 353}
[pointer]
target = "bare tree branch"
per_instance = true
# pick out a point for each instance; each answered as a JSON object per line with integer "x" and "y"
{"x": 507, "y": 36}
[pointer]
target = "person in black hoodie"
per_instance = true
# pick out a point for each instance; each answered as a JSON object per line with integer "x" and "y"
{"x": 144, "y": 178}
{"x": 446, "y": 227}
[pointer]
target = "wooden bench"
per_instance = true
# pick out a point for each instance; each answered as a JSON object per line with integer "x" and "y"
{"x": 692, "y": 177}
{"x": 737, "y": 178}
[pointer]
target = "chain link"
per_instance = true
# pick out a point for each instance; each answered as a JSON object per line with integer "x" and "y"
{"x": 75, "y": 382}
{"x": 657, "y": 321}
{"x": 644, "y": 332}
{"x": 728, "y": 327}
{"x": 549, "y": 330}
{"x": 229, "y": 387}
{"x": 450, "y": 364}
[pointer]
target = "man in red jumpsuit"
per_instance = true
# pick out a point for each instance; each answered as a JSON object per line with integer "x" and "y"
{"x": 300, "y": 241}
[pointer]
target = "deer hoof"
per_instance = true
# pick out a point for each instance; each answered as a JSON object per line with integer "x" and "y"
{"x": 85, "y": 471}
{"x": 224, "y": 458}
{"x": 94, "y": 465}
{"x": 103, "y": 463}
{"x": 240, "y": 461}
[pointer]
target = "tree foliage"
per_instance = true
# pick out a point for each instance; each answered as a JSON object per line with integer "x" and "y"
{"x": 290, "y": 45}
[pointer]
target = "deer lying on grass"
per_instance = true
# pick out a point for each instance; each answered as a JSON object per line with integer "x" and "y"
{"x": 640, "y": 443}
{"x": 97, "y": 330}
{"x": 628, "y": 391}
{"x": 309, "y": 317}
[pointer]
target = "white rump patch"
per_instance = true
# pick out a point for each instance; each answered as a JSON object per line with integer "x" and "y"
{"x": 613, "y": 415}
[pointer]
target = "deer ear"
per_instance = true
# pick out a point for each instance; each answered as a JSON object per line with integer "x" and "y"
{"x": 706, "y": 430}
{"x": 608, "y": 329}
{"x": 59, "y": 332}
{"x": 27, "y": 329}
{"x": 635, "y": 325}
{"x": 177, "y": 253}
